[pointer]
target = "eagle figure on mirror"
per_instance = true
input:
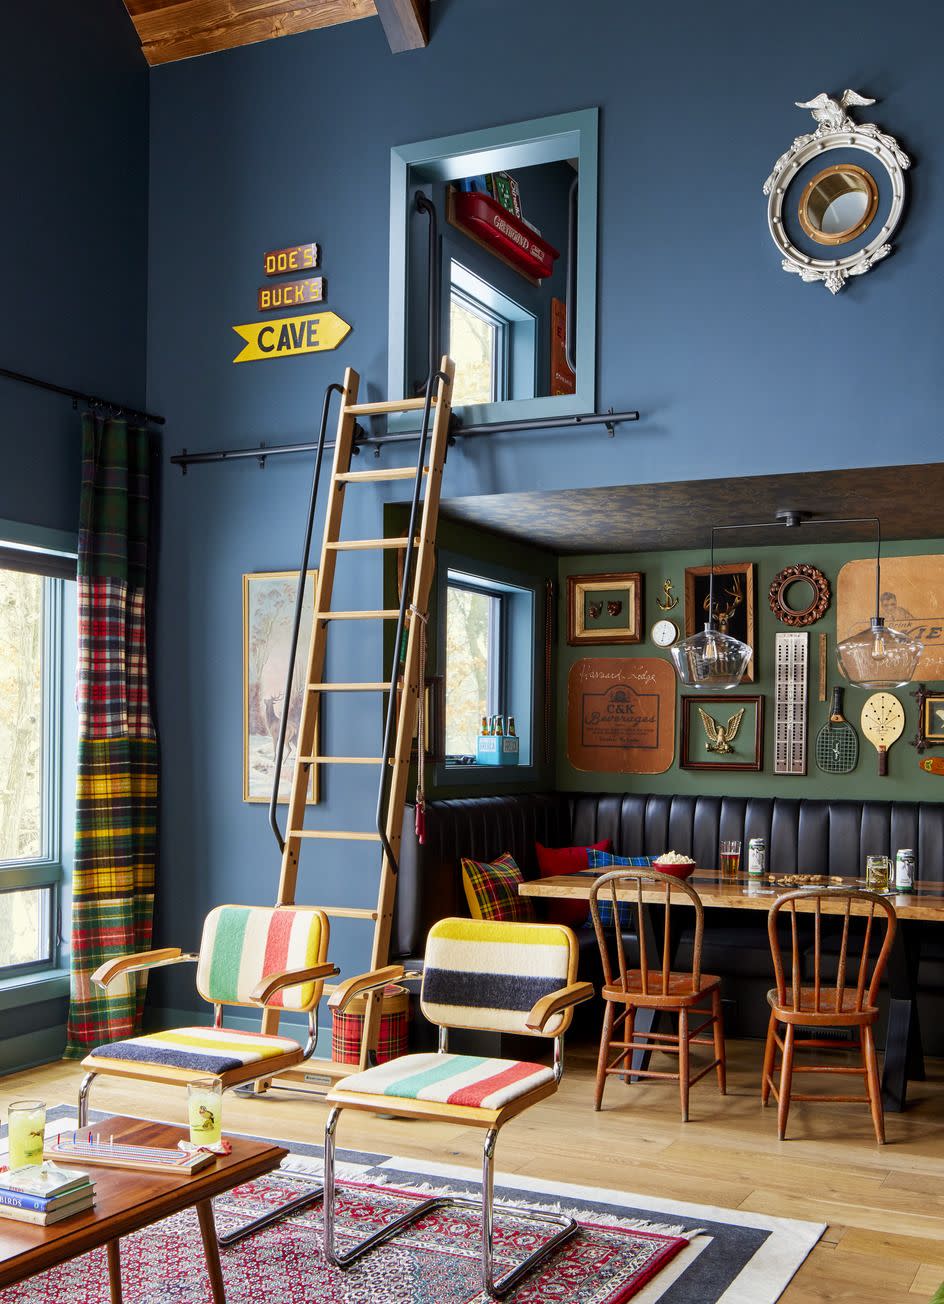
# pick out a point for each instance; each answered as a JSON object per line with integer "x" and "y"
{"x": 830, "y": 113}
{"x": 721, "y": 736}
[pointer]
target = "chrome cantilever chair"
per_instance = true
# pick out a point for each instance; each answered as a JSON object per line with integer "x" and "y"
{"x": 497, "y": 977}
{"x": 823, "y": 1003}
{"x": 263, "y": 958}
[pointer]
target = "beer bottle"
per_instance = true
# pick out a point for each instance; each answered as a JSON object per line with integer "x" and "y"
{"x": 511, "y": 727}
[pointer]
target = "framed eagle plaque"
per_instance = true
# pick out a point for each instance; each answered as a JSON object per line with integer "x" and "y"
{"x": 621, "y": 715}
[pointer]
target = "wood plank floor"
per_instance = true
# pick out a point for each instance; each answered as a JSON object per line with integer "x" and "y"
{"x": 884, "y": 1205}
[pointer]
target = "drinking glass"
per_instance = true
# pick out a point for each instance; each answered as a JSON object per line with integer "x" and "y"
{"x": 877, "y": 870}
{"x": 204, "y": 1111}
{"x": 730, "y": 859}
{"x": 27, "y": 1126}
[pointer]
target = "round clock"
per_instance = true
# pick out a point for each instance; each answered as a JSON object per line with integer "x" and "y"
{"x": 665, "y": 633}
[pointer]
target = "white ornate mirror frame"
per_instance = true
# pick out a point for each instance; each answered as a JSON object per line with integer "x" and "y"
{"x": 835, "y": 129}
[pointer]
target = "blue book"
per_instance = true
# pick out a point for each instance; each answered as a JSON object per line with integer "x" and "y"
{"x": 41, "y": 1203}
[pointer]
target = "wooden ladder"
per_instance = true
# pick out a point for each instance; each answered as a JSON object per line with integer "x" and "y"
{"x": 394, "y": 764}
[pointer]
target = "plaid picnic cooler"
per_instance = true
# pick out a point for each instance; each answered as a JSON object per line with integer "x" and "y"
{"x": 347, "y": 1027}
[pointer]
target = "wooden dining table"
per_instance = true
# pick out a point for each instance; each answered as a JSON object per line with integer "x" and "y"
{"x": 904, "y": 1052}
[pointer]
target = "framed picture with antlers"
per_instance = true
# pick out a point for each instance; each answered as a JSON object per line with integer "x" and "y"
{"x": 604, "y": 608}
{"x": 735, "y": 592}
{"x": 268, "y": 613}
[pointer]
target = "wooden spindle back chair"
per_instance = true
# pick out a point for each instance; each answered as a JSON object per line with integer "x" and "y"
{"x": 850, "y": 1001}
{"x": 652, "y": 984}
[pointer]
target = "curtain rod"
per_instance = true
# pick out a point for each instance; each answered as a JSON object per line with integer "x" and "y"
{"x": 78, "y": 396}
{"x": 609, "y": 419}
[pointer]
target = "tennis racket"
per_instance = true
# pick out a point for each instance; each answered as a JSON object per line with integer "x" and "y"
{"x": 883, "y": 722}
{"x": 837, "y": 743}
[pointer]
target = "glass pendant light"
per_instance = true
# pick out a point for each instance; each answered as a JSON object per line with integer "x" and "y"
{"x": 711, "y": 659}
{"x": 879, "y": 657}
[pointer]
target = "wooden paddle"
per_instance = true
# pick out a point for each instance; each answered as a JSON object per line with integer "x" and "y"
{"x": 883, "y": 721}
{"x": 837, "y": 745}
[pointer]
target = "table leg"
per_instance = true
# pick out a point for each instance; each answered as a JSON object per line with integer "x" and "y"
{"x": 113, "y": 1250}
{"x": 212, "y": 1251}
{"x": 904, "y": 1053}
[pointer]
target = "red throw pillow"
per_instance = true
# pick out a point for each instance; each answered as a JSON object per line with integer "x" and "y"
{"x": 567, "y": 860}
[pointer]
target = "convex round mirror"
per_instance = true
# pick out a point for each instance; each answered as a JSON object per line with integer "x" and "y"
{"x": 838, "y": 204}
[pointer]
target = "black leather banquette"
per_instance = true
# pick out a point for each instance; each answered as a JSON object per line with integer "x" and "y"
{"x": 802, "y": 835}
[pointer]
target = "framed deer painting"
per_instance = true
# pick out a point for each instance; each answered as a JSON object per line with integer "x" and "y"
{"x": 735, "y": 585}
{"x": 268, "y": 611}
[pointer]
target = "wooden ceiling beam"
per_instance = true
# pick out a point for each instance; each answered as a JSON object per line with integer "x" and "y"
{"x": 181, "y": 29}
{"x": 405, "y": 23}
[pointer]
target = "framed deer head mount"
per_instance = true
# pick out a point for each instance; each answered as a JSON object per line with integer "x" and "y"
{"x": 734, "y": 603}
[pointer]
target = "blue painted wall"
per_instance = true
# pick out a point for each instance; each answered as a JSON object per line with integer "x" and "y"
{"x": 73, "y": 228}
{"x": 736, "y": 367}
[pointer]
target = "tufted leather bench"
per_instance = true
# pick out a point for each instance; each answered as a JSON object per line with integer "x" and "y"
{"x": 822, "y": 836}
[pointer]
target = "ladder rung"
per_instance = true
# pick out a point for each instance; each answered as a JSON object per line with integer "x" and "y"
{"x": 341, "y": 760}
{"x": 392, "y": 473}
{"x": 389, "y": 613}
{"x": 350, "y": 688}
{"x": 339, "y": 835}
{"x": 348, "y": 912}
{"x": 387, "y": 405}
{"x": 357, "y": 545}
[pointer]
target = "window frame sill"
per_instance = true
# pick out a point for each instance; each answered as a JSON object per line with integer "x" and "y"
{"x": 31, "y": 988}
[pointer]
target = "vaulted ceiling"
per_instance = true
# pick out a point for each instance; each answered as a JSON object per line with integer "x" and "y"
{"x": 180, "y": 29}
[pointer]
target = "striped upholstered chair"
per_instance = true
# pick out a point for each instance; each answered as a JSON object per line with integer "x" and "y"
{"x": 251, "y": 956}
{"x": 498, "y": 977}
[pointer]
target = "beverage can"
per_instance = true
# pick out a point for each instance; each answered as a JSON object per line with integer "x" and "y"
{"x": 756, "y": 856}
{"x": 905, "y": 870}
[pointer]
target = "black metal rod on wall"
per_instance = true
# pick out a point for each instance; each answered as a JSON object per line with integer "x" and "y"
{"x": 78, "y": 396}
{"x": 610, "y": 420}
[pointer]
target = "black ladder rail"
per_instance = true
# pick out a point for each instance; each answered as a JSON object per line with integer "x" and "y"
{"x": 408, "y": 565}
{"x": 333, "y": 388}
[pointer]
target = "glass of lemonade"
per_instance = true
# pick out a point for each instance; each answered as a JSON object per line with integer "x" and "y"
{"x": 204, "y": 1111}
{"x": 27, "y": 1126}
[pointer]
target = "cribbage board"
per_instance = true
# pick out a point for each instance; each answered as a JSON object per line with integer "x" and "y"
{"x": 790, "y": 703}
{"x": 109, "y": 1154}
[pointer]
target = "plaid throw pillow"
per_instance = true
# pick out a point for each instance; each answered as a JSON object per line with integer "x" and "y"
{"x": 602, "y": 861}
{"x": 491, "y": 891}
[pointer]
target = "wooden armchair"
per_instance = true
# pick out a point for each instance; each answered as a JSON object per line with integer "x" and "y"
{"x": 653, "y": 985}
{"x": 827, "y": 1004}
{"x": 501, "y": 977}
{"x": 249, "y": 956}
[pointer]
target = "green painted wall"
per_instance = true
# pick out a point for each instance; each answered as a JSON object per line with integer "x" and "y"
{"x": 905, "y": 781}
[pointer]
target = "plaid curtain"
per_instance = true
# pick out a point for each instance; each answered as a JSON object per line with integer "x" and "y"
{"x": 116, "y": 798}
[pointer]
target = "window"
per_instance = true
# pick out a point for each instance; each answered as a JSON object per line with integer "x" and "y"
{"x": 492, "y": 340}
{"x": 489, "y": 659}
{"x": 31, "y": 619}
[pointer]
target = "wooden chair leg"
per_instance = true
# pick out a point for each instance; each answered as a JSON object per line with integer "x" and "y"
{"x": 629, "y": 1034}
{"x": 770, "y": 1051}
{"x": 873, "y": 1084}
{"x": 717, "y": 1015}
{"x": 606, "y": 1033}
{"x": 683, "y": 1062}
{"x": 786, "y": 1078}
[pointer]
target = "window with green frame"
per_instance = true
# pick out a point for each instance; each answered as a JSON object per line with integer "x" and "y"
{"x": 34, "y": 590}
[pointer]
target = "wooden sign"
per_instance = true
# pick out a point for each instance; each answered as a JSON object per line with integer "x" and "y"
{"x": 621, "y": 715}
{"x": 291, "y": 294}
{"x": 911, "y": 601}
{"x": 297, "y": 258}
{"x": 288, "y": 336}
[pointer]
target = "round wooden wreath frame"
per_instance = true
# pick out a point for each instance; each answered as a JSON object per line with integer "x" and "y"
{"x": 801, "y": 573}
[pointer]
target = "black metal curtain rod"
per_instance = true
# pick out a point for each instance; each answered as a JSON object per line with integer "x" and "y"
{"x": 609, "y": 419}
{"x": 78, "y": 396}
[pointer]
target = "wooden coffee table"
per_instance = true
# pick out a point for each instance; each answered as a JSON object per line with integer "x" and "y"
{"x": 126, "y": 1201}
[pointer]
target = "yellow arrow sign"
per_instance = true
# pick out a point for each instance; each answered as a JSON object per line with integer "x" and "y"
{"x": 286, "y": 336}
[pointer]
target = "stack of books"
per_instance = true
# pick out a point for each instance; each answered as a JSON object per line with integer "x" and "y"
{"x": 44, "y": 1194}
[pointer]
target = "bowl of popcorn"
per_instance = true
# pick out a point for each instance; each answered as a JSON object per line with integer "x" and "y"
{"x": 674, "y": 863}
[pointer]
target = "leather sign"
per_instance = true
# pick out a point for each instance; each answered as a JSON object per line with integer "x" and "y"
{"x": 621, "y": 715}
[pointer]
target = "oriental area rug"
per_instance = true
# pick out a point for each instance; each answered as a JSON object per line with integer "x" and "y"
{"x": 628, "y": 1247}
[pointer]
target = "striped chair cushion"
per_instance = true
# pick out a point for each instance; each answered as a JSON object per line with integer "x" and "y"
{"x": 243, "y": 944}
{"x": 478, "y": 974}
{"x": 491, "y": 890}
{"x": 602, "y": 862}
{"x": 205, "y": 1050}
{"x": 465, "y": 1080}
